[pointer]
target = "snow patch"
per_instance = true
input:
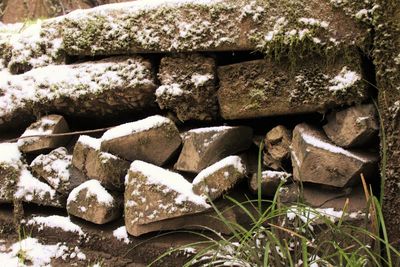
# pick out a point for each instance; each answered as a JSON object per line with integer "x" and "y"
{"x": 56, "y": 221}
{"x": 173, "y": 89}
{"x": 210, "y": 129}
{"x": 10, "y": 154}
{"x": 344, "y": 80}
{"x": 200, "y": 80}
{"x": 29, "y": 187}
{"x": 121, "y": 234}
{"x": 93, "y": 189}
{"x": 90, "y": 141}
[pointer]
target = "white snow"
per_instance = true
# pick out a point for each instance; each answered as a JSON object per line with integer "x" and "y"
{"x": 29, "y": 187}
{"x": 314, "y": 22}
{"x": 90, "y": 141}
{"x": 10, "y": 154}
{"x": 121, "y": 234}
{"x": 43, "y": 126}
{"x": 210, "y": 129}
{"x": 283, "y": 176}
{"x": 234, "y": 161}
{"x": 173, "y": 89}
{"x": 199, "y": 80}
{"x": 56, "y": 221}
{"x": 344, "y": 80}
{"x": 93, "y": 189}
{"x": 171, "y": 180}
{"x": 134, "y": 127}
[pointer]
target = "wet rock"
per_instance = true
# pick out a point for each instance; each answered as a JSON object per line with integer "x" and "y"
{"x": 106, "y": 87}
{"x": 154, "y": 194}
{"x": 92, "y": 202}
{"x": 277, "y": 147}
{"x": 56, "y": 169}
{"x": 10, "y": 169}
{"x": 218, "y": 178}
{"x": 47, "y": 125}
{"x": 270, "y": 88}
{"x": 188, "y": 87}
{"x": 270, "y": 181}
{"x": 352, "y": 127}
{"x": 200, "y": 146}
{"x": 317, "y": 160}
{"x": 109, "y": 169}
{"x": 154, "y": 140}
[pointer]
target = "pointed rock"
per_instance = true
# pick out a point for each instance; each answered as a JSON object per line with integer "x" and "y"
{"x": 10, "y": 169}
{"x": 317, "y": 160}
{"x": 92, "y": 202}
{"x": 218, "y": 178}
{"x": 109, "y": 169}
{"x": 153, "y": 139}
{"x": 205, "y": 146}
{"x": 270, "y": 181}
{"x": 352, "y": 127}
{"x": 51, "y": 124}
{"x": 188, "y": 86}
{"x": 277, "y": 147}
{"x": 155, "y": 194}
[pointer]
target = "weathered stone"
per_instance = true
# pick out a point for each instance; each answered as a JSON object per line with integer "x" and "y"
{"x": 218, "y": 178}
{"x": 153, "y": 194}
{"x": 188, "y": 87}
{"x": 270, "y": 181}
{"x": 212, "y": 26}
{"x": 316, "y": 160}
{"x": 270, "y": 88}
{"x": 153, "y": 139}
{"x": 10, "y": 169}
{"x": 109, "y": 169}
{"x": 205, "y": 146}
{"x": 51, "y": 124}
{"x": 93, "y": 89}
{"x": 277, "y": 147}
{"x": 56, "y": 169}
{"x": 91, "y": 202}
{"x": 352, "y": 127}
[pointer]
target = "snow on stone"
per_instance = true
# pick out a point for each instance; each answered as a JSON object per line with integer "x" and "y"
{"x": 210, "y": 129}
{"x": 344, "y": 80}
{"x": 252, "y": 9}
{"x": 93, "y": 189}
{"x": 313, "y": 22}
{"x": 276, "y": 174}
{"x": 234, "y": 161}
{"x": 56, "y": 221}
{"x": 90, "y": 141}
{"x": 38, "y": 254}
{"x": 171, "y": 180}
{"x": 42, "y": 127}
{"x": 173, "y": 89}
{"x": 134, "y": 127}
{"x": 10, "y": 154}
{"x": 121, "y": 234}
{"x": 199, "y": 80}
{"x": 29, "y": 187}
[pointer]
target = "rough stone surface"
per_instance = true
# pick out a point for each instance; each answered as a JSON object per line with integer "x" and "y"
{"x": 271, "y": 88}
{"x": 51, "y": 124}
{"x": 10, "y": 169}
{"x": 277, "y": 147}
{"x": 205, "y": 146}
{"x": 109, "y": 169}
{"x": 188, "y": 87}
{"x": 93, "y": 89}
{"x": 218, "y": 178}
{"x": 353, "y": 127}
{"x": 211, "y": 25}
{"x": 153, "y": 194}
{"x": 56, "y": 169}
{"x": 154, "y": 139}
{"x": 92, "y": 202}
{"x": 270, "y": 181}
{"x": 317, "y": 160}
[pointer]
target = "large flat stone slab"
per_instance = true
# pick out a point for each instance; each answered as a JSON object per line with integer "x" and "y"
{"x": 92, "y": 89}
{"x": 262, "y": 88}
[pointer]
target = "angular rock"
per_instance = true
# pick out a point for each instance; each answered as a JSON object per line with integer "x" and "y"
{"x": 316, "y": 160}
{"x": 209, "y": 26}
{"x": 92, "y": 202}
{"x": 205, "y": 146}
{"x": 270, "y": 181}
{"x": 271, "y": 88}
{"x": 56, "y": 169}
{"x": 153, "y": 194}
{"x": 10, "y": 169}
{"x": 51, "y": 124}
{"x": 277, "y": 147}
{"x": 106, "y": 87}
{"x": 218, "y": 178}
{"x": 353, "y": 127}
{"x": 188, "y": 86}
{"x": 110, "y": 170}
{"x": 153, "y": 139}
